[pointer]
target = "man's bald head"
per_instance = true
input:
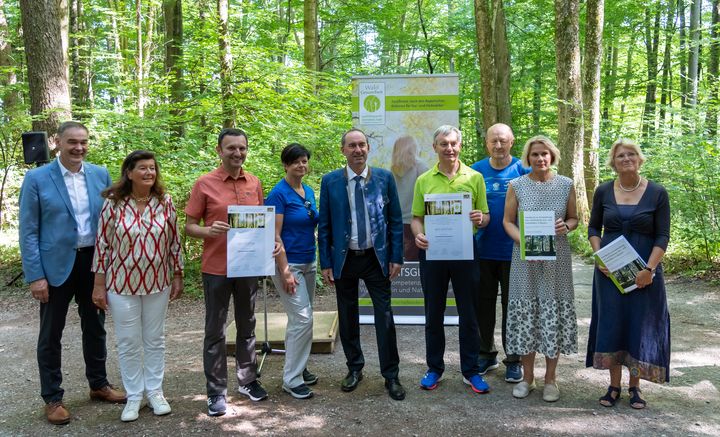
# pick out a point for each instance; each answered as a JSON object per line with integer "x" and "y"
{"x": 498, "y": 141}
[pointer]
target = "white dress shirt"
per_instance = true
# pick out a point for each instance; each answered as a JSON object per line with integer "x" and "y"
{"x": 77, "y": 190}
{"x": 351, "y": 196}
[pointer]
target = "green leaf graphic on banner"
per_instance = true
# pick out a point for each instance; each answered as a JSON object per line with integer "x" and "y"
{"x": 371, "y": 103}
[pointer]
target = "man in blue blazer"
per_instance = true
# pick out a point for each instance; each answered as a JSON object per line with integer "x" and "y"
{"x": 59, "y": 207}
{"x": 360, "y": 236}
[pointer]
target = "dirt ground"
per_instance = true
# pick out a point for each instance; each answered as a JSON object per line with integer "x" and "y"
{"x": 688, "y": 405}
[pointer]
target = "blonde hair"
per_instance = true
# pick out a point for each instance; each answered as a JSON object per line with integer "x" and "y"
{"x": 545, "y": 141}
{"x": 629, "y": 144}
{"x": 403, "y": 155}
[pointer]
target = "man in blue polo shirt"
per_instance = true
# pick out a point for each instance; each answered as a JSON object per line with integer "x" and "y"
{"x": 495, "y": 248}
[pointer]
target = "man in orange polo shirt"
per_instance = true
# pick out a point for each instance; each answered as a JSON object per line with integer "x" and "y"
{"x": 227, "y": 185}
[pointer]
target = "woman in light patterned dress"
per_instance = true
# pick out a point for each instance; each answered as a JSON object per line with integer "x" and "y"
{"x": 541, "y": 309}
{"x": 138, "y": 268}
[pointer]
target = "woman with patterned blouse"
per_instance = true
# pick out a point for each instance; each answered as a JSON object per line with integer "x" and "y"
{"x": 138, "y": 268}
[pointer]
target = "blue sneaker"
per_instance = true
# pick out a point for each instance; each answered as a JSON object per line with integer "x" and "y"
{"x": 430, "y": 380}
{"x": 477, "y": 383}
{"x": 216, "y": 405}
{"x": 485, "y": 365}
{"x": 513, "y": 372}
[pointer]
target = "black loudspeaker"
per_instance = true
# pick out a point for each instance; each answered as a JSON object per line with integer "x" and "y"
{"x": 35, "y": 147}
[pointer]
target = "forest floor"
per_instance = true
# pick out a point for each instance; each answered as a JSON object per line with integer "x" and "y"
{"x": 688, "y": 405}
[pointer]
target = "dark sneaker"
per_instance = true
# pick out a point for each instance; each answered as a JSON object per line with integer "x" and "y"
{"x": 486, "y": 365}
{"x": 254, "y": 391}
{"x": 309, "y": 378}
{"x": 430, "y": 380}
{"x": 302, "y": 391}
{"x": 477, "y": 383}
{"x": 216, "y": 405}
{"x": 513, "y": 372}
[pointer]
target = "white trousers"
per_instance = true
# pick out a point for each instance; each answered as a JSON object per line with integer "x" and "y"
{"x": 299, "y": 331}
{"x": 140, "y": 335}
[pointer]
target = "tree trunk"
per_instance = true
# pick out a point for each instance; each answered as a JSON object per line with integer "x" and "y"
{"x": 225, "y": 64}
{"x": 311, "y": 50}
{"x": 611, "y": 77}
{"x": 711, "y": 117}
{"x": 488, "y": 70}
{"x": 665, "y": 101}
{"x": 172, "y": 12}
{"x": 693, "y": 62}
{"x": 46, "y": 69}
{"x": 683, "y": 57}
{"x": 502, "y": 63}
{"x": 652, "y": 37}
{"x": 570, "y": 115}
{"x": 595, "y": 19}
{"x": 10, "y": 97}
{"x": 119, "y": 72}
{"x": 64, "y": 13}
{"x": 81, "y": 77}
{"x": 139, "y": 58}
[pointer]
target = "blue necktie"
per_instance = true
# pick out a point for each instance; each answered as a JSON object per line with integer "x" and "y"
{"x": 360, "y": 212}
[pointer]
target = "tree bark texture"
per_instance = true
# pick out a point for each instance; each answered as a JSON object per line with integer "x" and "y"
{"x": 225, "y": 64}
{"x": 173, "y": 20}
{"x": 592, "y": 61}
{"x": 311, "y": 49}
{"x": 47, "y": 72}
{"x": 494, "y": 61}
{"x": 570, "y": 114}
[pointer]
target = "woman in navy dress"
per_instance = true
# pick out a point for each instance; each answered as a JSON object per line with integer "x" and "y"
{"x": 633, "y": 329}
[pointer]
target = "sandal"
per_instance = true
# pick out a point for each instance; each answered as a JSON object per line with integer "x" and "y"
{"x": 636, "y": 401}
{"x": 608, "y": 400}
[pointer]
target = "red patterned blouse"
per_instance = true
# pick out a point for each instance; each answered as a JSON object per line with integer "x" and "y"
{"x": 138, "y": 252}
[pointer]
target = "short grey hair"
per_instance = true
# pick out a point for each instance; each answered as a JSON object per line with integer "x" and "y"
{"x": 446, "y": 130}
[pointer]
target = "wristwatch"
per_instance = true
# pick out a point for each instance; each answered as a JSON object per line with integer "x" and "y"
{"x": 649, "y": 269}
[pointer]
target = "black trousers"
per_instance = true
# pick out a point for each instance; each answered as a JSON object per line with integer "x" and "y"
{"x": 434, "y": 277}
{"x": 492, "y": 274}
{"x": 52, "y": 322}
{"x": 218, "y": 291}
{"x": 367, "y": 268}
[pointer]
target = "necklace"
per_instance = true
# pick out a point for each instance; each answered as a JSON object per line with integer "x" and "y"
{"x": 630, "y": 190}
{"x": 140, "y": 199}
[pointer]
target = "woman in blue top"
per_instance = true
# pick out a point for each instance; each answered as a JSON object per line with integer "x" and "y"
{"x": 296, "y": 218}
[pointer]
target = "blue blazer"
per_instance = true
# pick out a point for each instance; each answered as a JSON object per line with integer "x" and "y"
{"x": 48, "y": 231}
{"x": 383, "y": 207}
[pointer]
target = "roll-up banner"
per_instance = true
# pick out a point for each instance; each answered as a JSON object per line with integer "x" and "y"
{"x": 399, "y": 114}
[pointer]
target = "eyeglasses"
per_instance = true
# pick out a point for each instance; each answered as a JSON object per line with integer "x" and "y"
{"x": 310, "y": 211}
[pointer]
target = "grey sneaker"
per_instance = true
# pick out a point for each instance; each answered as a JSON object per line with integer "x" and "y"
{"x": 216, "y": 405}
{"x": 254, "y": 391}
{"x": 302, "y": 391}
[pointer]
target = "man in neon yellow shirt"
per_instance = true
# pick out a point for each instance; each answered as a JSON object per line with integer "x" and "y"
{"x": 450, "y": 175}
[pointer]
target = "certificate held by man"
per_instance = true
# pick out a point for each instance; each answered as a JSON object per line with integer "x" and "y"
{"x": 448, "y": 227}
{"x": 250, "y": 241}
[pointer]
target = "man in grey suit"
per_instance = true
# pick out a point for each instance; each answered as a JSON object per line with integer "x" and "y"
{"x": 59, "y": 207}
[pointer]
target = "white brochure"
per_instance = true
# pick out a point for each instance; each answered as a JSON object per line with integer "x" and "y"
{"x": 448, "y": 227}
{"x": 250, "y": 241}
{"x": 623, "y": 262}
{"x": 537, "y": 233}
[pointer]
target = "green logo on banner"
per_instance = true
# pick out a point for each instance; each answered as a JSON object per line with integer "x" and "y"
{"x": 371, "y": 103}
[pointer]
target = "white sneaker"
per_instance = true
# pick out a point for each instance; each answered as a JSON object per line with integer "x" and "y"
{"x": 131, "y": 411}
{"x": 159, "y": 404}
{"x": 523, "y": 389}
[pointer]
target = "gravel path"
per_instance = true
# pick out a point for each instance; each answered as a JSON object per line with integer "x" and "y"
{"x": 689, "y": 405}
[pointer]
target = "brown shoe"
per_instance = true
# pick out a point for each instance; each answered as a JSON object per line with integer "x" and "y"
{"x": 108, "y": 394}
{"x": 56, "y": 413}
